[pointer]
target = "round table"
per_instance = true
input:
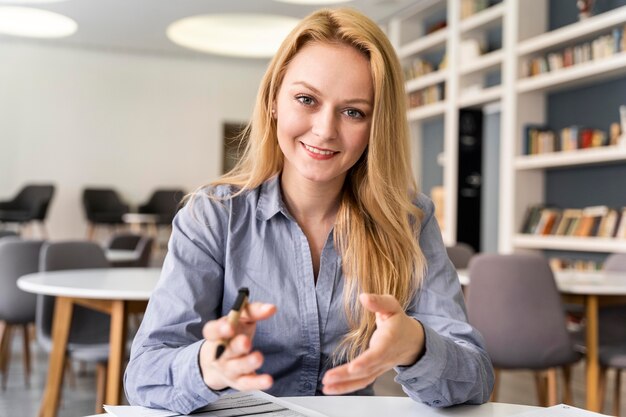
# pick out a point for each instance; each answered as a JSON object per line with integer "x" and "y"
{"x": 115, "y": 291}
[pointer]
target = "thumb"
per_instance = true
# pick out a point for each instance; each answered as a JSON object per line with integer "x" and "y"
{"x": 384, "y": 306}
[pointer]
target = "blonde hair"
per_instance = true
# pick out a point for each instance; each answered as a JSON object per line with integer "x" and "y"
{"x": 377, "y": 225}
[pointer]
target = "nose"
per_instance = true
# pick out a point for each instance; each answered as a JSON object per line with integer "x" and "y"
{"x": 325, "y": 124}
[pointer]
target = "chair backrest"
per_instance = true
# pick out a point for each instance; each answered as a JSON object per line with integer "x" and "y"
{"x": 165, "y": 203}
{"x": 35, "y": 199}
{"x": 124, "y": 241}
{"x": 7, "y": 233}
{"x": 102, "y": 200}
{"x": 514, "y": 302}
{"x": 460, "y": 254}
{"x": 17, "y": 257}
{"x": 88, "y": 326}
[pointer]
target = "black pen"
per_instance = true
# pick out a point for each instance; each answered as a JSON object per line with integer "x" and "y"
{"x": 233, "y": 317}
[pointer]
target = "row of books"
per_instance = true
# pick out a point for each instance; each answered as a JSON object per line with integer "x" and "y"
{"x": 602, "y": 47}
{"x": 428, "y": 95}
{"x": 597, "y": 221}
{"x": 541, "y": 139}
{"x": 561, "y": 264}
{"x": 417, "y": 68}
{"x": 470, "y": 7}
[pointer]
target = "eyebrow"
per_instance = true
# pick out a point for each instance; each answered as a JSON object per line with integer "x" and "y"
{"x": 316, "y": 91}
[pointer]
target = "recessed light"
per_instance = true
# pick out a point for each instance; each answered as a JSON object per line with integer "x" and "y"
{"x": 35, "y": 23}
{"x": 242, "y": 35}
{"x": 317, "y": 2}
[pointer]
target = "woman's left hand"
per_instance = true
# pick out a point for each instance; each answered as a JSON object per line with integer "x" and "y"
{"x": 397, "y": 341}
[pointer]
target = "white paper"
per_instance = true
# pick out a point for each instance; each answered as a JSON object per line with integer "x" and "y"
{"x": 232, "y": 405}
{"x": 560, "y": 410}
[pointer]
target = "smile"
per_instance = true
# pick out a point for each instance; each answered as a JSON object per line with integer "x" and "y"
{"x": 317, "y": 151}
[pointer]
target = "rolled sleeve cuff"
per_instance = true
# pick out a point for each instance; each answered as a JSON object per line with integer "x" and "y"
{"x": 427, "y": 371}
{"x": 191, "y": 392}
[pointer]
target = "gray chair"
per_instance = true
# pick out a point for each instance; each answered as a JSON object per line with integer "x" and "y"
{"x": 514, "y": 302}
{"x": 29, "y": 205}
{"x": 17, "y": 308}
{"x": 612, "y": 337}
{"x": 89, "y": 333}
{"x": 460, "y": 254}
{"x": 142, "y": 245}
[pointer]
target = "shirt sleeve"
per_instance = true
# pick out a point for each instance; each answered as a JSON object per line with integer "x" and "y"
{"x": 164, "y": 371}
{"x": 455, "y": 368}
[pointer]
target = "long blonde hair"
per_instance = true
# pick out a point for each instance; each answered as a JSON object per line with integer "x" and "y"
{"x": 377, "y": 226}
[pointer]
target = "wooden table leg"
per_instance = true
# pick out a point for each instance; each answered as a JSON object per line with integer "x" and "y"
{"x": 56, "y": 367}
{"x": 119, "y": 318}
{"x": 593, "y": 368}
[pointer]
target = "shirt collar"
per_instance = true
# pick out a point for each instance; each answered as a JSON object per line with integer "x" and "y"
{"x": 270, "y": 200}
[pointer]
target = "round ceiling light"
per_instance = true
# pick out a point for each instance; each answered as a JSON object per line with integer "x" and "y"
{"x": 241, "y": 35}
{"x": 313, "y": 2}
{"x": 35, "y": 23}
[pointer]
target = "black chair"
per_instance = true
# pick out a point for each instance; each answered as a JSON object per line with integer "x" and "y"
{"x": 103, "y": 207}
{"x": 164, "y": 203}
{"x": 29, "y": 205}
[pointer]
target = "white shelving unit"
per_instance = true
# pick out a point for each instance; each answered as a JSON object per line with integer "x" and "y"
{"x": 523, "y": 176}
{"x": 520, "y": 101}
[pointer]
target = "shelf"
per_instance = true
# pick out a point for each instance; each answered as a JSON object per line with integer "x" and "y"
{"x": 485, "y": 63}
{"x": 432, "y": 41}
{"x": 584, "y": 244}
{"x": 475, "y": 98}
{"x": 592, "y": 156}
{"x": 570, "y": 33}
{"x": 483, "y": 19}
{"x": 427, "y": 80}
{"x": 428, "y": 111}
{"x": 581, "y": 74}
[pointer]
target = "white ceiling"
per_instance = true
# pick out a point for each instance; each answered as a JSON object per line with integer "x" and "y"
{"x": 138, "y": 26}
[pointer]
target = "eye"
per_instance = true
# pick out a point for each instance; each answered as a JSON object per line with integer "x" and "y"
{"x": 305, "y": 100}
{"x": 354, "y": 113}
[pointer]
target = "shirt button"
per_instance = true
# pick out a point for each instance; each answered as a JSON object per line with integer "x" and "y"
{"x": 307, "y": 386}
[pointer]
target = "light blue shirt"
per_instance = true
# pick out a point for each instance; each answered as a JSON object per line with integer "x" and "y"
{"x": 252, "y": 241}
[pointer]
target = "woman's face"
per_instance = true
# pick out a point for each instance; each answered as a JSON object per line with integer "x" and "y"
{"x": 324, "y": 112}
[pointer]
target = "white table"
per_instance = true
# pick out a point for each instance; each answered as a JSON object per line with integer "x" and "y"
{"x": 591, "y": 289}
{"x": 121, "y": 255}
{"x": 346, "y": 406}
{"x": 115, "y": 291}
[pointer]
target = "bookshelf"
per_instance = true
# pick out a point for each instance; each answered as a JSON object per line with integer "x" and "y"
{"x": 524, "y": 182}
{"x": 521, "y": 100}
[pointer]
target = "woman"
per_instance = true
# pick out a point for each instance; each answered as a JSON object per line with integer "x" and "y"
{"x": 322, "y": 222}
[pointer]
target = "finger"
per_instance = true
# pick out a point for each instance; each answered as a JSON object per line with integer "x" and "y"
{"x": 216, "y": 330}
{"x": 242, "y": 365}
{"x": 238, "y": 346}
{"x": 253, "y": 382}
{"x": 349, "y": 386}
{"x": 386, "y": 305}
{"x": 257, "y": 311}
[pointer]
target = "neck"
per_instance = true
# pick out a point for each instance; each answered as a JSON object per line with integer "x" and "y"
{"x": 309, "y": 201}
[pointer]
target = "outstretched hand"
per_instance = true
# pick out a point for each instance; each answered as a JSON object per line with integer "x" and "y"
{"x": 237, "y": 367}
{"x": 397, "y": 341}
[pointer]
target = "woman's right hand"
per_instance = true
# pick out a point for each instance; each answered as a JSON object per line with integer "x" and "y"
{"x": 237, "y": 366}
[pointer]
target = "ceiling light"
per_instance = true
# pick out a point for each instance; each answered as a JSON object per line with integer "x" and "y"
{"x": 35, "y": 23}
{"x": 316, "y": 2}
{"x": 242, "y": 35}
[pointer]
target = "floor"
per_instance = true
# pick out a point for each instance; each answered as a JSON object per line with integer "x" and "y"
{"x": 78, "y": 399}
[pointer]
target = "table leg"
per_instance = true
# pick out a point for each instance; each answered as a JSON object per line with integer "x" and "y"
{"x": 593, "y": 368}
{"x": 119, "y": 317}
{"x": 60, "y": 333}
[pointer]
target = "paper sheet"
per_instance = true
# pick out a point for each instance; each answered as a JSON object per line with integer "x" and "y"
{"x": 233, "y": 405}
{"x": 560, "y": 410}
